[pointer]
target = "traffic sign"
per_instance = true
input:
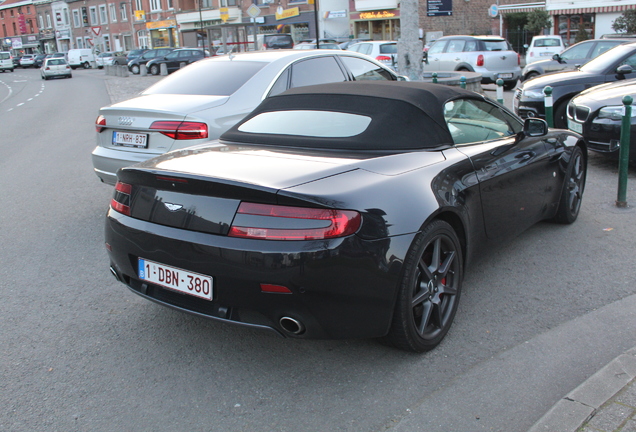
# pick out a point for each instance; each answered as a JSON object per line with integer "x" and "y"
{"x": 493, "y": 10}
{"x": 253, "y": 11}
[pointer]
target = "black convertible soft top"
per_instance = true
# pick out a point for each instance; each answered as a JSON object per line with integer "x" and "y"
{"x": 404, "y": 115}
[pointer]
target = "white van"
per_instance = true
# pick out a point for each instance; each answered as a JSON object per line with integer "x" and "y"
{"x": 83, "y": 57}
{"x": 6, "y": 61}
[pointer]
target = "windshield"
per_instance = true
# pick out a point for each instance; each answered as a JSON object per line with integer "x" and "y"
{"x": 496, "y": 45}
{"x": 609, "y": 58}
{"x": 211, "y": 78}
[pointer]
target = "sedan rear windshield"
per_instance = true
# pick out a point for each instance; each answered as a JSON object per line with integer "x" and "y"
{"x": 211, "y": 78}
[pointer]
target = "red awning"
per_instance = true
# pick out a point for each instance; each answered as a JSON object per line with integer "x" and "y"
{"x": 600, "y": 9}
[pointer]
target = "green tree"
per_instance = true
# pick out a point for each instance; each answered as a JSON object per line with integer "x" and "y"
{"x": 537, "y": 21}
{"x": 626, "y": 23}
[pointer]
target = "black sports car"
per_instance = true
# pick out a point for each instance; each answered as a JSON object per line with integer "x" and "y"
{"x": 597, "y": 114}
{"x": 344, "y": 210}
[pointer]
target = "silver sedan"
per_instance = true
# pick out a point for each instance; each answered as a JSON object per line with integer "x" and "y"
{"x": 201, "y": 101}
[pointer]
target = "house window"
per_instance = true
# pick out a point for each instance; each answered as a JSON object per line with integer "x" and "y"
{"x": 103, "y": 16}
{"x": 113, "y": 12}
{"x": 124, "y": 13}
{"x": 93, "y": 12}
{"x": 48, "y": 21}
{"x": 206, "y": 3}
{"x": 67, "y": 20}
{"x": 155, "y": 5}
{"x": 139, "y": 5}
{"x": 41, "y": 21}
{"x": 170, "y": 4}
{"x": 76, "y": 18}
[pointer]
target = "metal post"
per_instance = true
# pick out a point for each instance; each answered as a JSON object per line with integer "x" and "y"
{"x": 434, "y": 77}
{"x": 500, "y": 94}
{"x": 316, "y": 24}
{"x": 623, "y": 161}
{"x": 549, "y": 116}
{"x": 462, "y": 82}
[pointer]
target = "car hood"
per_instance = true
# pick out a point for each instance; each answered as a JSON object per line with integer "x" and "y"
{"x": 175, "y": 104}
{"x": 610, "y": 93}
{"x": 280, "y": 168}
{"x": 563, "y": 78}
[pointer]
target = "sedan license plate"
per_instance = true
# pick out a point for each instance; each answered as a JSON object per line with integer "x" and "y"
{"x": 128, "y": 139}
{"x": 574, "y": 126}
{"x": 505, "y": 75}
{"x": 176, "y": 279}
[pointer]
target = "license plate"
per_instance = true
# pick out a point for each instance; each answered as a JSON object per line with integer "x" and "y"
{"x": 507, "y": 75}
{"x": 576, "y": 127}
{"x": 177, "y": 279}
{"x": 128, "y": 139}
{"x": 545, "y": 54}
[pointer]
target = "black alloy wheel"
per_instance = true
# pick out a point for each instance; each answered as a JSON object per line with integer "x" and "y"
{"x": 573, "y": 187}
{"x": 429, "y": 291}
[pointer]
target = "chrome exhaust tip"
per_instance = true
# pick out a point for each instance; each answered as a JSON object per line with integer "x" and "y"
{"x": 114, "y": 273}
{"x": 291, "y": 325}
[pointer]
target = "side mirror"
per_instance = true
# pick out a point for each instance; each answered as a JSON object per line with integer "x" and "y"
{"x": 535, "y": 127}
{"x": 624, "y": 69}
{"x": 558, "y": 58}
{"x": 425, "y": 56}
{"x": 402, "y": 78}
{"x": 525, "y": 46}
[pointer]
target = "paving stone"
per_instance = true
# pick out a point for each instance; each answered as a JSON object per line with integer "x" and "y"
{"x": 628, "y": 395}
{"x": 610, "y": 417}
{"x": 629, "y": 427}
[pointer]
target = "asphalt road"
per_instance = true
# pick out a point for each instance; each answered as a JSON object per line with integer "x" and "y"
{"x": 79, "y": 352}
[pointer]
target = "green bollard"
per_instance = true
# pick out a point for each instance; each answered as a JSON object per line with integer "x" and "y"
{"x": 500, "y": 98}
{"x": 623, "y": 151}
{"x": 462, "y": 82}
{"x": 549, "y": 115}
{"x": 434, "y": 77}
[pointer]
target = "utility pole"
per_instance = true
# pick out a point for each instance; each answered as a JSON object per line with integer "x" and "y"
{"x": 409, "y": 43}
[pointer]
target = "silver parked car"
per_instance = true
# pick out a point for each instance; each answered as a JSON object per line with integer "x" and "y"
{"x": 200, "y": 102}
{"x": 55, "y": 67}
{"x": 491, "y": 56}
{"x": 383, "y": 51}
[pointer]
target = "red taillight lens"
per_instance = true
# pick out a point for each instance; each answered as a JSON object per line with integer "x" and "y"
{"x": 304, "y": 223}
{"x": 121, "y": 198}
{"x": 518, "y": 59}
{"x": 480, "y": 60}
{"x": 99, "y": 123}
{"x": 383, "y": 58}
{"x": 181, "y": 130}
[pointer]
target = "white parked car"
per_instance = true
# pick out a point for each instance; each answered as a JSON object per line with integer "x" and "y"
{"x": 383, "y": 51}
{"x": 544, "y": 47}
{"x": 55, "y": 67}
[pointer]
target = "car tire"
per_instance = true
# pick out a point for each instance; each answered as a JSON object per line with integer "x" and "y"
{"x": 86, "y": 65}
{"x": 560, "y": 115}
{"x": 509, "y": 85}
{"x": 100, "y": 67}
{"x": 530, "y": 75}
{"x": 135, "y": 69}
{"x": 429, "y": 291}
{"x": 573, "y": 187}
{"x": 154, "y": 69}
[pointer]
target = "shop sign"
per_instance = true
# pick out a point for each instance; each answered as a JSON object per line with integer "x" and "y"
{"x": 439, "y": 7}
{"x": 224, "y": 13}
{"x": 336, "y": 14}
{"x": 16, "y": 43}
{"x": 287, "y": 13}
{"x": 140, "y": 15}
{"x": 160, "y": 24}
{"x": 22, "y": 24}
{"x": 377, "y": 15}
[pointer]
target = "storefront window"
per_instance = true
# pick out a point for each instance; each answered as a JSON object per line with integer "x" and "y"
{"x": 575, "y": 28}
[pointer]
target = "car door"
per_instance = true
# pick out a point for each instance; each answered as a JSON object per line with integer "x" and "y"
{"x": 630, "y": 60}
{"x": 364, "y": 70}
{"x": 512, "y": 170}
{"x": 453, "y": 55}
{"x": 431, "y": 63}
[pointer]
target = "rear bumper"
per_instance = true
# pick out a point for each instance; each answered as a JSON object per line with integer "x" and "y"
{"x": 107, "y": 161}
{"x": 341, "y": 288}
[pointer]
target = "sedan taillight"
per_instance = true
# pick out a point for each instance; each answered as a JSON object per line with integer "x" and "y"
{"x": 181, "y": 130}
{"x": 480, "y": 60}
{"x": 100, "y": 122}
{"x": 121, "y": 198}
{"x": 383, "y": 58}
{"x": 272, "y": 222}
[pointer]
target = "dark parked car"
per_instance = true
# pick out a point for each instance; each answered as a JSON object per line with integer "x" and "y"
{"x": 135, "y": 64}
{"x": 616, "y": 64}
{"x": 597, "y": 114}
{"x": 295, "y": 222}
{"x": 133, "y": 54}
{"x": 571, "y": 58}
{"x": 39, "y": 59}
{"x": 175, "y": 59}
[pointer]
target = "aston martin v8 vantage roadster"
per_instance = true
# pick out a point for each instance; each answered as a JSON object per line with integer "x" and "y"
{"x": 346, "y": 210}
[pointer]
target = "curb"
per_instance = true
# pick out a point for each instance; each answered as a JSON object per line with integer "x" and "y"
{"x": 583, "y": 403}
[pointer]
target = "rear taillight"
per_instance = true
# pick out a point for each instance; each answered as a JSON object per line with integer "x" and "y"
{"x": 272, "y": 222}
{"x": 383, "y": 58}
{"x": 518, "y": 59}
{"x": 121, "y": 198}
{"x": 480, "y": 60}
{"x": 181, "y": 130}
{"x": 100, "y": 123}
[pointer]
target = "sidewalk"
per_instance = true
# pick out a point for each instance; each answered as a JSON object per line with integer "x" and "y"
{"x": 123, "y": 88}
{"x": 606, "y": 402}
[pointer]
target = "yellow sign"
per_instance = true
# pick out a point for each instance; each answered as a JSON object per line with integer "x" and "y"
{"x": 288, "y": 13}
{"x": 161, "y": 24}
{"x": 225, "y": 13}
{"x": 140, "y": 15}
{"x": 378, "y": 14}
